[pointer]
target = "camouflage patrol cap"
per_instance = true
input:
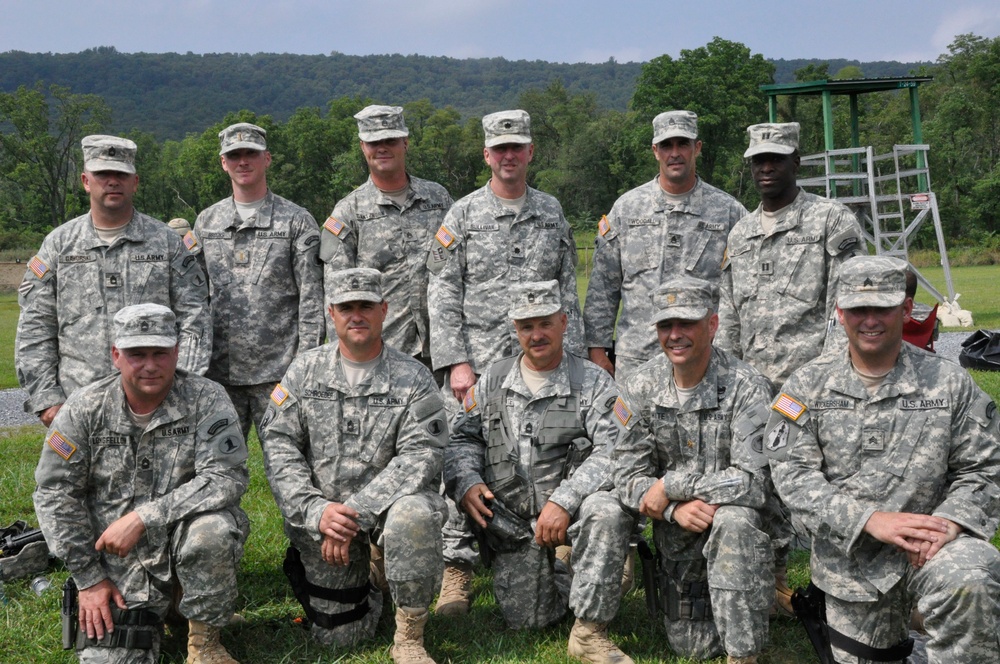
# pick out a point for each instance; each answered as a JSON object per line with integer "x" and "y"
{"x": 145, "y": 325}
{"x": 532, "y": 299}
{"x": 354, "y": 284}
{"x": 376, "y": 123}
{"x": 242, "y": 135}
{"x": 675, "y": 123}
{"x": 180, "y": 225}
{"x": 685, "y": 298}
{"x": 773, "y": 137}
{"x": 871, "y": 281}
{"x": 507, "y": 127}
{"x": 108, "y": 153}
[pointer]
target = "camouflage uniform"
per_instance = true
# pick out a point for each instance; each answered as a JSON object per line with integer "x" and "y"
{"x": 377, "y": 448}
{"x": 184, "y": 476}
{"x": 267, "y": 295}
{"x": 778, "y": 290}
{"x": 563, "y": 425}
{"x": 481, "y": 248}
{"x": 708, "y": 449}
{"x": 74, "y": 286}
{"x": 643, "y": 241}
{"x": 367, "y": 229}
{"x": 926, "y": 442}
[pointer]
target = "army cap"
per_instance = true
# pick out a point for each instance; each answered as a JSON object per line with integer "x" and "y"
{"x": 145, "y": 325}
{"x": 354, "y": 284}
{"x": 376, "y": 123}
{"x": 180, "y": 225}
{"x": 108, "y": 153}
{"x": 242, "y": 135}
{"x": 871, "y": 281}
{"x": 507, "y": 127}
{"x": 675, "y": 123}
{"x": 533, "y": 299}
{"x": 772, "y": 137}
{"x": 684, "y": 298}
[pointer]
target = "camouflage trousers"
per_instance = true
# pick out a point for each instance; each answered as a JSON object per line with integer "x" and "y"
{"x": 625, "y": 365}
{"x": 250, "y": 402}
{"x": 958, "y": 594}
{"x": 410, "y": 536}
{"x": 457, "y": 534}
{"x": 533, "y": 591}
{"x": 204, "y": 553}
{"x": 736, "y": 563}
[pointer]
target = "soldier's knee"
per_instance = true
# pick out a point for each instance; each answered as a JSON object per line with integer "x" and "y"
{"x": 737, "y": 520}
{"x": 208, "y": 535}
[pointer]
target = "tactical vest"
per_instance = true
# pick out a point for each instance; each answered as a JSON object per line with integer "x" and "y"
{"x": 559, "y": 445}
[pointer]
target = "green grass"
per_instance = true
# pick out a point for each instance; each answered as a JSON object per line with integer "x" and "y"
{"x": 977, "y": 290}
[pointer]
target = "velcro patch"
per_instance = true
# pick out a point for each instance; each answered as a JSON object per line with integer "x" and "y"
{"x": 603, "y": 226}
{"x": 788, "y": 407}
{"x": 622, "y": 412}
{"x": 279, "y": 394}
{"x": 38, "y": 266}
{"x": 469, "y": 402}
{"x": 444, "y": 237}
{"x": 190, "y": 241}
{"x": 60, "y": 445}
{"x": 334, "y": 225}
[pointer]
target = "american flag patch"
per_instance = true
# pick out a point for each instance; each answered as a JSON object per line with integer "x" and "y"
{"x": 444, "y": 237}
{"x": 603, "y": 226}
{"x": 622, "y": 412}
{"x": 38, "y": 266}
{"x": 469, "y": 402}
{"x": 333, "y": 225}
{"x": 190, "y": 241}
{"x": 789, "y": 407}
{"x": 279, "y": 394}
{"x": 62, "y": 447}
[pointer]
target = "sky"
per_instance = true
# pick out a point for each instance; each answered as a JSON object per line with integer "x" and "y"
{"x": 550, "y": 30}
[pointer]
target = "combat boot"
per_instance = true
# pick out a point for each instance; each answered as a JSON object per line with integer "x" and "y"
{"x": 408, "y": 642}
{"x": 628, "y": 573}
{"x": 749, "y": 659}
{"x": 376, "y": 569}
{"x": 782, "y": 594}
{"x": 589, "y": 642}
{"x": 455, "y": 590}
{"x": 564, "y": 553}
{"x": 204, "y": 646}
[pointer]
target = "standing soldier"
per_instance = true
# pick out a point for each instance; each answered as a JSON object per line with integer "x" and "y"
{"x": 88, "y": 269}
{"x": 265, "y": 278}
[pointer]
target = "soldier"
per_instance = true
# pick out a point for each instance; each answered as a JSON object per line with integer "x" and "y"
{"x": 88, "y": 269}
{"x": 533, "y": 446}
{"x": 675, "y": 225}
{"x": 891, "y": 457}
{"x": 689, "y": 458}
{"x": 353, "y": 439}
{"x": 266, "y": 282}
{"x": 139, "y": 486}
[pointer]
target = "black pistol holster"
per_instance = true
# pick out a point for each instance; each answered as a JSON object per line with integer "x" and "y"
{"x": 126, "y": 633}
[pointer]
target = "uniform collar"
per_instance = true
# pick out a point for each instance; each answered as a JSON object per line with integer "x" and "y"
{"x": 376, "y": 382}
{"x": 706, "y": 395}
{"x": 791, "y": 219}
{"x": 501, "y": 210}
{"x": 557, "y": 385}
{"x": 902, "y": 379}
{"x": 261, "y": 219}
{"x": 172, "y": 409}
{"x": 693, "y": 204}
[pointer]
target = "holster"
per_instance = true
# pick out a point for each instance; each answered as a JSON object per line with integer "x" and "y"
{"x": 688, "y": 600}
{"x": 303, "y": 590}
{"x": 650, "y": 578}
{"x": 126, "y": 621}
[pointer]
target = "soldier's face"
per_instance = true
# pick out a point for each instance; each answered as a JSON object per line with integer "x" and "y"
{"x": 774, "y": 175}
{"x": 147, "y": 373}
{"x": 359, "y": 328}
{"x": 246, "y": 167}
{"x": 688, "y": 343}
{"x": 676, "y": 156}
{"x": 875, "y": 333}
{"x": 110, "y": 190}
{"x": 386, "y": 157}
{"x": 509, "y": 161}
{"x": 541, "y": 340}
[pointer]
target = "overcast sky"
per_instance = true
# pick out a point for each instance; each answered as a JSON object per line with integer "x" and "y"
{"x": 552, "y": 30}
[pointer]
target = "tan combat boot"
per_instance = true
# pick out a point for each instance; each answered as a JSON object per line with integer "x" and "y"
{"x": 376, "y": 569}
{"x": 204, "y": 646}
{"x": 564, "y": 553}
{"x": 628, "y": 573}
{"x": 455, "y": 590}
{"x": 408, "y": 642}
{"x": 589, "y": 642}
{"x": 749, "y": 659}
{"x": 782, "y": 594}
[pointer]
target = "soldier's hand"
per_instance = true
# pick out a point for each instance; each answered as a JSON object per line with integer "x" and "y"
{"x": 95, "y": 608}
{"x": 695, "y": 515}
{"x": 599, "y": 356}
{"x": 907, "y": 531}
{"x": 472, "y": 503}
{"x": 338, "y": 521}
{"x": 551, "y": 526}
{"x": 655, "y": 501}
{"x": 462, "y": 378}
{"x": 928, "y": 549}
{"x": 49, "y": 414}
{"x": 122, "y": 535}
{"x": 335, "y": 553}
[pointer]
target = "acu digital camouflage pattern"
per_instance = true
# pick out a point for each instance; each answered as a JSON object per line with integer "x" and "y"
{"x": 926, "y": 442}
{"x": 74, "y": 286}
{"x": 184, "y": 475}
{"x": 641, "y": 243}
{"x": 779, "y": 291}
{"x": 481, "y": 248}
{"x": 368, "y": 229}
{"x": 525, "y": 581}
{"x": 266, "y": 286}
{"x": 708, "y": 449}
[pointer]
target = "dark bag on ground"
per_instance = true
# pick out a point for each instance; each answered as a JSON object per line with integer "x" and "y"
{"x": 981, "y": 350}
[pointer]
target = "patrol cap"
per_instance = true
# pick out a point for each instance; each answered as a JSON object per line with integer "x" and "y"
{"x": 871, "y": 281}
{"x": 108, "y": 153}
{"x": 684, "y": 298}
{"x": 773, "y": 137}
{"x": 180, "y": 225}
{"x": 242, "y": 135}
{"x": 507, "y": 127}
{"x": 376, "y": 123}
{"x": 145, "y": 325}
{"x": 675, "y": 123}
{"x": 532, "y": 299}
{"x": 356, "y": 283}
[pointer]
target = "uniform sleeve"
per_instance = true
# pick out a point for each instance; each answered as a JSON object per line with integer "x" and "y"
{"x": 465, "y": 456}
{"x": 634, "y": 458}
{"x": 446, "y": 293}
{"x": 727, "y": 337}
{"x": 570, "y": 297}
{"x": 308, "y": 275}
{"x": 338, "y": 248}
{"x": 844, "y": 241}
{"x": 36, "y": 348}
{"x": 600, "y": 310}
{"x": 190, "y": 302}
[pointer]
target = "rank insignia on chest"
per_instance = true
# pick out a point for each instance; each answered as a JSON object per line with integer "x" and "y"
{"x": 872, "y": 440}
{"x": 190, "y": 241}
{"x": 38, "y": 267}
{"x": 334, "y": 225}
{"x": 603, "y": 226}
{"x": 674, "y": 241}
{"x": 113, "y": 280}
{"x": 444, "y": 237}
{"x": 60, "y": 445}
{"x": 766, "y": 268}
{"x": 789, "y": 407}
{"x": 279, "y": 394}
{"x": 242, "y": 257}
{"x": 622, "y": 412}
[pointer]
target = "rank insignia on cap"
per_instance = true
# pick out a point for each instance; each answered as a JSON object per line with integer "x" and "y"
{"x": 469, "y": 402}
{"x": 279, "y": 394}
{"x": 334, "y": 225}
{"x": 62, "y": 447}
{"x": 38, "y": 266}
{"x": 789, "y": 407}
{"x": 444, "y": 237}
{"x": 622, "y": 412}
{"x": 190, "y": 241}
{"x": 603, "y": 226}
